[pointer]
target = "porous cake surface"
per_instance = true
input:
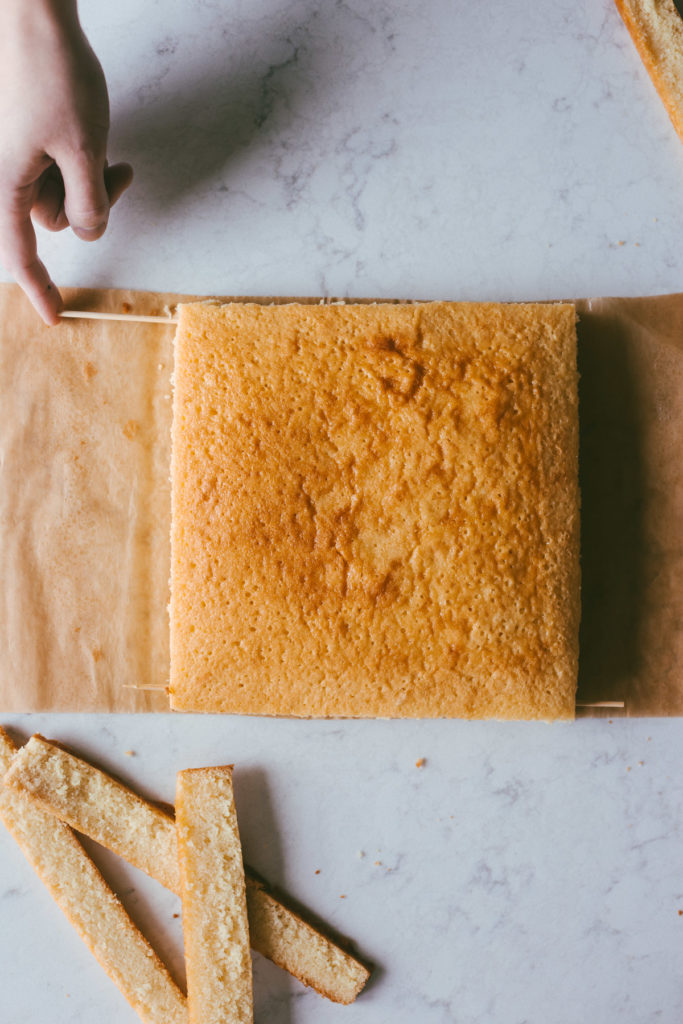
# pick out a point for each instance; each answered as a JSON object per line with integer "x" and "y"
{"x": 375, "y": 510}
{"x": 59, "y": 785}
{"x": 656, "y": 28}
{"x": 89, "y": 904}
{"x": 215, "y": 924}
{"x": 295, "y": 944}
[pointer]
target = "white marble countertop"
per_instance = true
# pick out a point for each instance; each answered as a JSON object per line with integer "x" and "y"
{"x": 524, "y": 873}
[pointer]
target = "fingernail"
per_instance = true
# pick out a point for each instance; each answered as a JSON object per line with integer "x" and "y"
{"x": 90, "y": 234}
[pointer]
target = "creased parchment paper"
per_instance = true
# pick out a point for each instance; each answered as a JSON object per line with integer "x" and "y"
{"x": 85, "y": 415}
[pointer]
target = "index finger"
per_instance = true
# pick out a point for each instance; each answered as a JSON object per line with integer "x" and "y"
{"x": 19, "y": 253}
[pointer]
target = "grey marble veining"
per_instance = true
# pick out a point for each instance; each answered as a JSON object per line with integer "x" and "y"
{"x": 523, "y": 873}
{"x": 503, "y": 151}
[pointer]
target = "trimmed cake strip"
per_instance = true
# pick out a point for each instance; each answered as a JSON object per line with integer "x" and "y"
{"x": 213, "y": 890}
{"x": 98, "y": 806}
{"x": 89, "y": 904}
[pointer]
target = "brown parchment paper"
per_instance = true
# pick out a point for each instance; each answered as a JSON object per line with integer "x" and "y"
{"x": 85, "y": 415}
{"x": 631, "y": 474}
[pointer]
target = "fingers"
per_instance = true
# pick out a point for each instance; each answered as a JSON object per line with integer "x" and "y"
{"x": 41, "y": 291}
{"x": 78, "y": 193}
{"x": 19, "y": 254}
{"x": 117, "y": 178}
{"x": 86, "y": 200}
{"x": 48, "y": 209}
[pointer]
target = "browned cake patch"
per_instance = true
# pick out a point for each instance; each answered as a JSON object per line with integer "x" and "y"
{"x": 375, "y": 510}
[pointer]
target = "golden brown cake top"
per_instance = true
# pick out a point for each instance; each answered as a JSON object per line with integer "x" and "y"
{"x": 375, "y": 510}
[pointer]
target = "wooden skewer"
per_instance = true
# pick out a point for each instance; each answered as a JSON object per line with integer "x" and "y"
{"x": 134, "y": 318}
{"x": 602, "y": 704}
{"x": 132, "y": 686}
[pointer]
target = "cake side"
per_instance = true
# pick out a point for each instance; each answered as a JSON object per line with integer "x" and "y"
{"x": 656, "y": 28}
{"x": 310, "y": 956}
{"x": 375, "y": 510}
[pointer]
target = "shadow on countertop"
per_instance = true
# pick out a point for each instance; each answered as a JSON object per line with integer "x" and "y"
{"x": 193, "y": 125}
{"x": 631, "y": 476}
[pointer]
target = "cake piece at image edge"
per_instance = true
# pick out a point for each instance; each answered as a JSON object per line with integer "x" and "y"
{"x": 375, "y": 510}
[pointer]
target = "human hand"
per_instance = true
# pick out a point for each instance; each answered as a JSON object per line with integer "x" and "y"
{"x": 54, "y": 122}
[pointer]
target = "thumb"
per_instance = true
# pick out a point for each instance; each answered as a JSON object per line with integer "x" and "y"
{"x": 86, "y": 201}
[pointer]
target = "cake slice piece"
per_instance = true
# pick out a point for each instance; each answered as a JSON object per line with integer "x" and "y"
{"x": 293, "y": 943}
{"x": 98, "y": 806}
{"x": 101, "y": 808}
{"x": 89, "y": 904}
{"x": 375, "y": 510}
{"x": 656, "y": 28}
{"x": 219, "y": 983}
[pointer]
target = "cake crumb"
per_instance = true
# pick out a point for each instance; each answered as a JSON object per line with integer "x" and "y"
{"x": 421, "y": 762}
{"x": 129, "y": 753}
{"x": 317, "y": 871}
{"x": 342, "y": 896}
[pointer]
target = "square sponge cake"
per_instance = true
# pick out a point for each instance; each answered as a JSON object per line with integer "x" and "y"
{"x": 375, "y": 510}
